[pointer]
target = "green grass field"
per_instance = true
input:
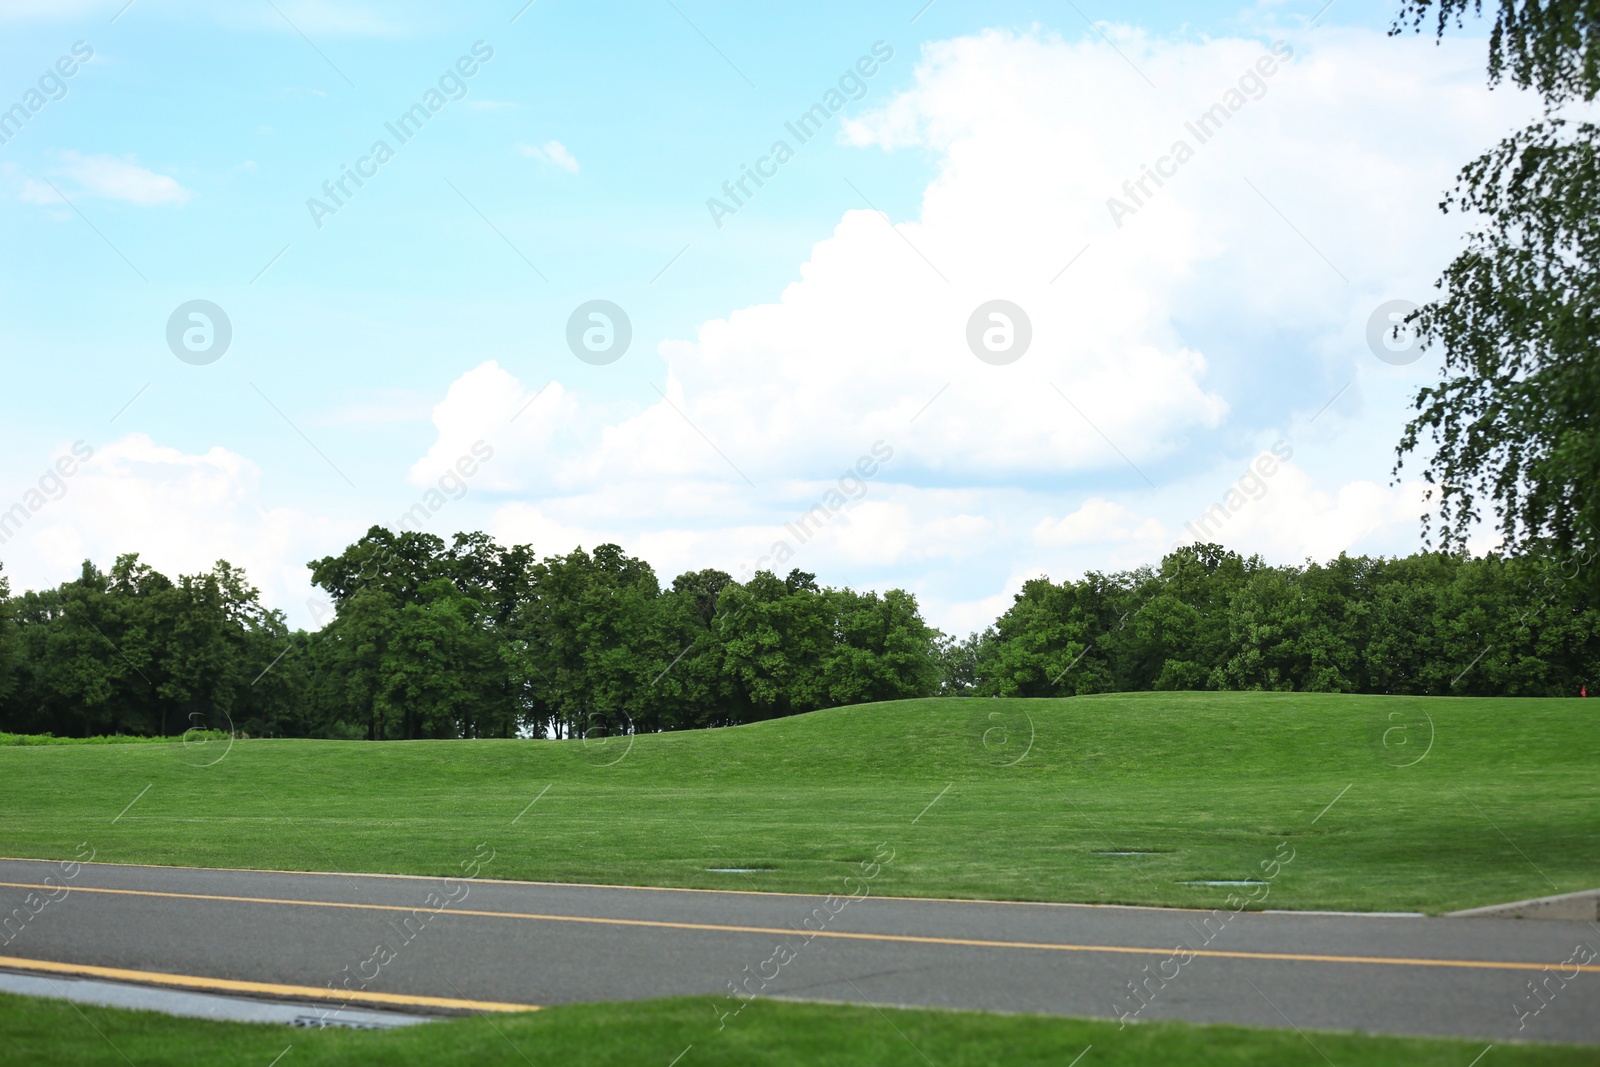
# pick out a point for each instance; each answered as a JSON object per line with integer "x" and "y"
{"x": 1500, "y": 807}
{"x": 767, "y": 1034}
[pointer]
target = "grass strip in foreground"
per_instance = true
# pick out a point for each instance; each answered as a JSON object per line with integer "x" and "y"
{"x": 765, "y": 1034}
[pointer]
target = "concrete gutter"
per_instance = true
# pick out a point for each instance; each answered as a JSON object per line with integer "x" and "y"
{"x": 1583, "y": 906}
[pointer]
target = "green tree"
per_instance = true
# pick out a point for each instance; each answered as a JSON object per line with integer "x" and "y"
{"x": 8, "y": 640}
{"x": 351, "y": 658}
{"x": 130, "y": 651}
{"x": 211, "y": 641}
{"x": 437, "y": 655}
{"x": 690, "y": 689}
{"x": 1549, "y": 45}
{"x": 775, "y": 644}
{"x": 883, "y": 650}
{"x": 1050, "y": 642}
{"x": 1291, "y": 629}
{"x": 1402, "y": 647}
{"x": 959, "y": 660}
{"x": 584, "y": 648}
{"x": 397, "y": 564}
{"x": 1174, "y": 633}
{"x": 499, "y": 579}
{"x": 88, "y": 652}
{"x": 416, "y": 647}
{"x": 1515, "y": 422}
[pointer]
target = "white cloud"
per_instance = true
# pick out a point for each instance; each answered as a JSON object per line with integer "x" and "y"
{"x": 552, "y": 152}
{"x": 1293, "y": 519}
{"x": 488, "y": 403}
{"x": 876, "y": 325}
{"x": 1234, "y": 301}
{"x": 33, "y": 191}
{"x": 122, "y": 179}
{"x": 181, "y": 512}
{"x": 106, "y": 177}
{"x": 526, "y": 524}
{"x": 1098, "y": 521}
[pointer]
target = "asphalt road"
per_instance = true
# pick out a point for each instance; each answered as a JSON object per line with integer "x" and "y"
{"x": 432, "y": 944}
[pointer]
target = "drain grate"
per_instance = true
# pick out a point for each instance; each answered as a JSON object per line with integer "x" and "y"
{"x": 316, "y": 1022}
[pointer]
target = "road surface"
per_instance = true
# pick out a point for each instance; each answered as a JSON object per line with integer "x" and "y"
{"x": 432, "y": 944}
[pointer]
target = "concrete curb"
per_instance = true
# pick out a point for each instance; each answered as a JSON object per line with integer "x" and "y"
{"x": 1583, "y": 906}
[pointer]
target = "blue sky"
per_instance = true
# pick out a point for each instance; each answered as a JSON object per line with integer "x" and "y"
{"x": 769, "y": 353}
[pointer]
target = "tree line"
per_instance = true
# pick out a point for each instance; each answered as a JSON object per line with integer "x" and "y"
{"x": 436, "y": 640}
{"x": 1430, "y": 624}
{"x": 473, "y": 639}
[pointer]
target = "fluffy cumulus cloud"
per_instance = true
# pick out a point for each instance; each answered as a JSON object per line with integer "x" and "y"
{"x": 1098, "y": 521}
{"x": 176, "y": 509}
{"x": 1197, "y": 232}
{"x": 1288, "y": 517}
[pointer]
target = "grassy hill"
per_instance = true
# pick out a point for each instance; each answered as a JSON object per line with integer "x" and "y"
{"x": 1011, "y": 799}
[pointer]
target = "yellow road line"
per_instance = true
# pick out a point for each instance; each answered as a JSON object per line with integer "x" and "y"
{"x": 781, "y": 931}
{"x": 228, "y": 985}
